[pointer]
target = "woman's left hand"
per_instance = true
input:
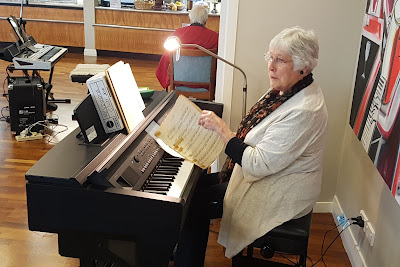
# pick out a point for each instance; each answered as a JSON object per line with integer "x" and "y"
{"x": 211, "y": 121}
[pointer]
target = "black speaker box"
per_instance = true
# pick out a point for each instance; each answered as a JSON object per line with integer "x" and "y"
{"x": 26, "y": 102}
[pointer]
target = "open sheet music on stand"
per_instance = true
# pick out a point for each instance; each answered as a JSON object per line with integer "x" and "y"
{"x": 180, "y": 131}
{"x": 126, "y": 94}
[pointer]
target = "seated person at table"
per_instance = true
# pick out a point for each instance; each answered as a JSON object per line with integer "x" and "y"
{"x": 196, "y": 33}
{"x": 276, "y": 155}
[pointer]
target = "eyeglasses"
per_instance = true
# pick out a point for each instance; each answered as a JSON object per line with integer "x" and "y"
{"x": 277, "y": 60}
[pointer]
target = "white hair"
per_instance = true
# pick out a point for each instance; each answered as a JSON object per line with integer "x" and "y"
{"x": 198, "y": 14}
{"x": 300, "y": 44}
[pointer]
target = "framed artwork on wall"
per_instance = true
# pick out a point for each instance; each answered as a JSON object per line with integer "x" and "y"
{"x": 375, "y": 117}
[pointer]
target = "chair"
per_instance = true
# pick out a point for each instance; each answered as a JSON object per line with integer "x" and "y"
{"x": 288, "y": 238}
{"x": 83, "y": 72}
{"x": 193, "y": 75}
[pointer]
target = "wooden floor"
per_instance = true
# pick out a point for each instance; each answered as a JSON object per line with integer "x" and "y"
{"x": 20, "y": 247}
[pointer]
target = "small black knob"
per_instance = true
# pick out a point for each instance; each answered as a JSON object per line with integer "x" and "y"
{"x": 267, "y": 252}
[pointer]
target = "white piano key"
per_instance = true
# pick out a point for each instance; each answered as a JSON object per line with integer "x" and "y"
{"x": 58, "y": 55}
{"x": 181, "y": 179}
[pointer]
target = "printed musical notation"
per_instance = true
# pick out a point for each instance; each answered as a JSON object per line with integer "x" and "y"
{"x": 180, "y": 131}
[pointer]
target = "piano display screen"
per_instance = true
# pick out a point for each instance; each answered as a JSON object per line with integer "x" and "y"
{"x": 19, "y": 31}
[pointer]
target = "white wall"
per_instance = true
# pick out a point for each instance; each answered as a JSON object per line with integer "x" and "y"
{"x": 360, "y": 187}
{"x": 348, "y": 172}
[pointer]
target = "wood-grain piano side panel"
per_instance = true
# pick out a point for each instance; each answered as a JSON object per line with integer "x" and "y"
{"x": 157, "y": 20}
{"x": 130, "y": 40}
{"x": 43, "y": 13}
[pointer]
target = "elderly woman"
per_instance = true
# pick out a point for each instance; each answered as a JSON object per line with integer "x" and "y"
{"x": 196, "y": 33}
{"x": 276, "y": 156}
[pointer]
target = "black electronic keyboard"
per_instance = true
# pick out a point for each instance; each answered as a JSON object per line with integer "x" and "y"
{"x": 126, "y": 193}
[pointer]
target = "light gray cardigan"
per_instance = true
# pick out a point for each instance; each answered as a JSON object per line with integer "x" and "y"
{"x": 280, "y": 177}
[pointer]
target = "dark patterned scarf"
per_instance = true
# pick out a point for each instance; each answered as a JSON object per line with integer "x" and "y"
{"x": 265, "y": 106}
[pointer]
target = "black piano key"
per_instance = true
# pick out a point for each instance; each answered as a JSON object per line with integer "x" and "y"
{"x": 157, "y": 189}
{"x": 168, "y": 173}
{"x": 158, "y": 183}
{"x": 163, "y": 179}
{"x": 172, "y": 158}
{"x": 172, "y": 164}
{"x": 172, "y": 161}
{"x": 154, "y": 192}
{"x": 168, "y": 168}
{"x": 165, "y": 167}
{"x": 161, "y": 175}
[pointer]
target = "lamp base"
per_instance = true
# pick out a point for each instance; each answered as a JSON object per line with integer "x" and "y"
{"x": 214, "y": 11}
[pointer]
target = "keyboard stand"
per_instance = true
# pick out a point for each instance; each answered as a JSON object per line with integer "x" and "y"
{"x": 50, "y": 100}
{"x": 49, "y": 95}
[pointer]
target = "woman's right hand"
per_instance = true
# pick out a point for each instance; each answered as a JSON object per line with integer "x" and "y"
{"x": 211, "y": 121}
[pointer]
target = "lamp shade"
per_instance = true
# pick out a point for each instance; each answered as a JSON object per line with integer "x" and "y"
{"x": 172, "y": 43}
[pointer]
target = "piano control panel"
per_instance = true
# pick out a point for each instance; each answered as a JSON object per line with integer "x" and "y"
{"x": 149, "y": 169}
{"x": 146, "y": 153}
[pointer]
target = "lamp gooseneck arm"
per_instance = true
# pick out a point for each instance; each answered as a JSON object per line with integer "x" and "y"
{"x": 229, "y": 63}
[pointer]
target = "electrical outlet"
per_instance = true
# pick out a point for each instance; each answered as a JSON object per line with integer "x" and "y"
{"x": 370, "y": 233}
{"x": 368, "y": 228}
{"x": 364, "y": 217}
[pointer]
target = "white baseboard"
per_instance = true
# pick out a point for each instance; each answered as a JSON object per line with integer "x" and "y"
{"x": 323, "y": 207}
{"x": 348, "y": 238}
{"x": 90, "y": 52}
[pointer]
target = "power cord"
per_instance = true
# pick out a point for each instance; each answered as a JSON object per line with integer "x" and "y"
{"x": 356, "y": 221}
{"x": 323, "y": 241}
{"x": 5, "y": 94}
{"x": 359, "y": 221}
{"x": 323, "y": 254}
{"x": 47, "y": 125}
{"x": 3, "y": 117}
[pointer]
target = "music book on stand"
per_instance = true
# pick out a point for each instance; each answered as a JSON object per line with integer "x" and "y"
{"x": 126, "y": 94}
{"x": 181, "y": 132}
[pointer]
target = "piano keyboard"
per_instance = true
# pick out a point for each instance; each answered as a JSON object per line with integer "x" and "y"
{"x": 170, "y": 178}
{"x": 44, "y": 59}
{"x": 41, "y": 52}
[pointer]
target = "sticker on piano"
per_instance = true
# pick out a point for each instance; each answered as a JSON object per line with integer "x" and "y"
{"x": 91, "y": 133}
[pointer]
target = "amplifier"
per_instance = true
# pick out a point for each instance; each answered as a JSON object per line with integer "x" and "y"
{"x": 26, "y": 102}
{"x": 9, "y": 52}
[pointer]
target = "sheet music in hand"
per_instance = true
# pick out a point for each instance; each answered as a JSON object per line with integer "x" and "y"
{"x": 126, "y": 94}
{"x": 180, "y": 131}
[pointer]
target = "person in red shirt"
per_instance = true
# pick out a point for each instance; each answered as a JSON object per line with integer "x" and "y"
{"x": 196, "y": 33}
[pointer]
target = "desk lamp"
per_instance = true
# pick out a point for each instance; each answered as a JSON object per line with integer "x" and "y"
{"x": 174, "y": 43}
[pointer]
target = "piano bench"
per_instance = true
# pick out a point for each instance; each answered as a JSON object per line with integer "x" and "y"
{"x": 82, "y": 72}
{"x": 288, "y": 238}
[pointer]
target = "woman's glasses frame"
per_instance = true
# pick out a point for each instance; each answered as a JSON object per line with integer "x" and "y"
{"x": 277, "y": 60}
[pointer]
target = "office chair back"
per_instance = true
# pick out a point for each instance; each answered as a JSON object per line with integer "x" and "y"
{"x": 193, "y": 75}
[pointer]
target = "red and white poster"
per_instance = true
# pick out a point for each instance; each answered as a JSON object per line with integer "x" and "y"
{"x": 376, "y": 102}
